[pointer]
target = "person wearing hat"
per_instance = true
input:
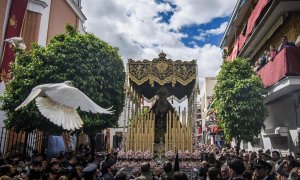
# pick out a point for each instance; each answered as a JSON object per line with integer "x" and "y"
{"x": 89, "y": 172}
{"x": 236, "y": 169}
{"x": 262, "y": 170}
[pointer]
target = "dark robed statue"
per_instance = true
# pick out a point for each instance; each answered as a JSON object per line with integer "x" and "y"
{"x": 161, "y": 107}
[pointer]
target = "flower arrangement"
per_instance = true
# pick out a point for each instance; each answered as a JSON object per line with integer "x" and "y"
{"x": 130, "y": 154}
{"x": 170, "y": 155}
{"x": 147, "y": 155}
{"x": 139, "y": 155}
{"x": 186, "y": 154}
{"x": 180, "y": 154}
{"x": 121, "y": 154}
{"x": 196, "y": 154}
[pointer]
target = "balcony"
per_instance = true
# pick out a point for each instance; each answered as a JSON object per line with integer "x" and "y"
{"x": 283, "y": 73}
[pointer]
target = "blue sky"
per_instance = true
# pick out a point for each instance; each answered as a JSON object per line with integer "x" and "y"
{"x": 193, "y": 30}
{"x": 183, "y": 29}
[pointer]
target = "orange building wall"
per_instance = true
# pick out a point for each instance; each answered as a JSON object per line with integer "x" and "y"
{"x": 2, "y": 15}
{"x": 60, "y": 15}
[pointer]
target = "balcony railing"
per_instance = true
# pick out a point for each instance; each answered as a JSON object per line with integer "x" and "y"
{"x": 285, "y": 63}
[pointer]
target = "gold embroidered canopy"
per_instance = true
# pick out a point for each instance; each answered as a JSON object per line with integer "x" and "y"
{"x": 147, "y": 77}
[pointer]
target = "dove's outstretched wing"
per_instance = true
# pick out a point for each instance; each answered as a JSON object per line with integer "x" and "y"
{"x": 33, "y": 94}
{"x": 73, "y": 97}
{"x": 59, "y": 114}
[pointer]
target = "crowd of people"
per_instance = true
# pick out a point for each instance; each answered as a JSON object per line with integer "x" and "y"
{"x": 269, "y": 54}
{"x": 214, "y": 163}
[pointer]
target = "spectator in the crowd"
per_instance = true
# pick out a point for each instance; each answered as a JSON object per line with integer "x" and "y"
{"x": 5, "y": 170}
{"x": 247, "y": 175}
{"x": 236, "y": 169}
{"x": 263, "y": 60}
{"x": 285, "y": 43}
{"x": 286, "y": 166}
{"x": 178, "y": 175}
{"x": 134, "y": 174}
{"x": 213, "y": 173}
{"x": 256, "y": 66}
{"x": 157, "y": 173}
{"x": 225, "y": 175}
{"x": 106, "y": 171}
{"x": 71, "y": 164}
{"x": 121, "y": 176}
{"x": 276, "y": 158}
{"x": 264, "y": 156}
{"x": 168, "y": 171}
{"x": 294, "y": 174}
{"x": 89, "y": 172}
{"x": 36, "y": 171}
{"x": 272, "y": 53}
{"x": 145, "y": 171}
{"x": 262, "y": 169}
{"x": 55, "y": 170}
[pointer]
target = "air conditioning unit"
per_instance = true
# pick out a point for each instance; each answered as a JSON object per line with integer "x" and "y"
{"x": 282, "y": 131}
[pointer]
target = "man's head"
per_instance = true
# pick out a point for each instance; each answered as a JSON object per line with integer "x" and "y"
{"x": 262, "y": 168}
{"x": 225, "y": 172}
{"x": 275, "y": 156}
{"x": 145, "y": 167}
{"x": 167, "y": 166}
{"x": 157, "y": 171}
{"x": 213, "y": 173}
{"x": 55, "y": 166}
{"x": 89, "y": 172}
{"x": 236, "y": 167}
{"x": 37, "y": 166}
{"x": 136, "y": 172}
{"x": 246, "y": 157}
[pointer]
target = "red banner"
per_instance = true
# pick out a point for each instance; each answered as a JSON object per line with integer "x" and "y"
{"x": 235, "y": 50}
{"x": 254, "y": 15}
{"x": 15, "y": 22}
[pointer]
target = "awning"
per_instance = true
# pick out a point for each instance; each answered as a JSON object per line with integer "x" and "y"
{"x": 178, "y": 77}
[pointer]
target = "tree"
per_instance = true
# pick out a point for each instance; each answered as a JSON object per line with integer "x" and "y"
{"x": 239, "y": 101}
{"x": 91, "y": 64}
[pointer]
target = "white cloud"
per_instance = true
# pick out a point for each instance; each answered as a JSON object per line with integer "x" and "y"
{"x": 190, "y": 12}
{"x": 139, "y": 33}
{"x": 211, "y": 32}
{"x": 201, "y": 36}
{"x": 219, "y": 30}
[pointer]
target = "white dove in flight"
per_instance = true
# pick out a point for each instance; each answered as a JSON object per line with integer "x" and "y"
{"x": 58, "y": 102}
{"x": 16, "y": 41}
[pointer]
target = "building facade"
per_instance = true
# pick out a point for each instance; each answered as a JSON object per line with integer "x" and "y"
{"x": 210, "y": 132}
{"x": 39, "y": 22}
{"x": 254, "y": 27}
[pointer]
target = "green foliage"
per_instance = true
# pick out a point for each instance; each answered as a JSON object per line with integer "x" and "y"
{"x": 92, "y": 65}
{"x": 239, "y": 101}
